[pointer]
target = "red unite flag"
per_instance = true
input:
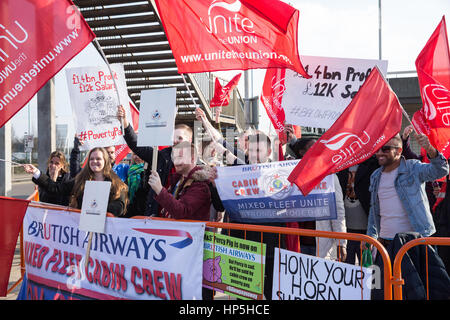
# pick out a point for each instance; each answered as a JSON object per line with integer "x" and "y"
{"x": 433, "y": 71}
{"x": 222, "y": 93}
{"x": 12, "y": 212}
{"x": 371, "y": 119}
{"x": 37, "y": 38}
{"x": 214, "y": 35}
{"x": 271, "y": 97}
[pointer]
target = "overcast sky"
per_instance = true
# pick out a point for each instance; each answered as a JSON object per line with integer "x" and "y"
{"x": 344, "y": 28}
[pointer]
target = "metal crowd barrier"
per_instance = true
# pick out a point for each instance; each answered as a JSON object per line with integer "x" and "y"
{"x": 392, "y": 275}
{"x": 397, "y": 280}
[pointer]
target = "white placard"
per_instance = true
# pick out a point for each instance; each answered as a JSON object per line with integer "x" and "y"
{"x": 94, "y": 206}
{"x": 299, "y": 276}
{"x": 94, "y": 104}
{"x": 318, "y": 102}
{"x": 157, "y": 117}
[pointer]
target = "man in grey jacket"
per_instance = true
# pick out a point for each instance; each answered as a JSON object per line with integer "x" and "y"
{"x": 399, "y": 202}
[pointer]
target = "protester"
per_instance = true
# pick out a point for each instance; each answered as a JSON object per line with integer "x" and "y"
{"x": 398, "y": 199}
{"x": 188, "y": 195}
{"x": 408, "y": 153}
{"x": 75, "y": 161}
{"x": 97, "y": 169}
{"x": 259, "y": 151}
{"x": 57, "y": 171}
{"x": 134, "y": 176}
{"x": 329, "y": 248}
{"x": 355, "y": 183}
{"x": 234, "y": 156}
{"x": 144, "y": 202}
{"x": 307, "y": 244}
{"x": 441, "y": 218}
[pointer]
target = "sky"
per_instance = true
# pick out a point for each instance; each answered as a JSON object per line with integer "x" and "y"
{"x": 344, "y": 28}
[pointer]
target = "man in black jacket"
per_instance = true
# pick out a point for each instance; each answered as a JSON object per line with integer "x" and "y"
{"x": 145, "y": 203}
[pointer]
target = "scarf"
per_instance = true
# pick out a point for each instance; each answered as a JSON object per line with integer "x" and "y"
{"x": 134, "y": 179}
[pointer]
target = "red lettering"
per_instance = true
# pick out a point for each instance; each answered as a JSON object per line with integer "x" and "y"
{"x": 147, "y": 281}
{"x": 158, "y": 284}
{"x": 136, "y": 273}
{"x": 52, "y": 258}
{"x": 173, "y": 285}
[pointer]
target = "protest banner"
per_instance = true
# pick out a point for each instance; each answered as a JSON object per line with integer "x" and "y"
{"x": 371, "y": 119}
{"x": 317, "y": 102}
{"x": 234, "y": 266}
{"x": 133, "y": 259}
{"x": 39, "y": 39}
{"x": 262, "y": 193}
{"x": 93, "y": 98}
{"x": 207, "y": 35}
{"x": 299, "y": 276}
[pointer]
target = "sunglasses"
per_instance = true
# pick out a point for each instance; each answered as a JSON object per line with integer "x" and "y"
{"x": 386, "y": 149}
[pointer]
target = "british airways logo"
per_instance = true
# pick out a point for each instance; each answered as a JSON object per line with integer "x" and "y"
{"x": 171, "y": 233}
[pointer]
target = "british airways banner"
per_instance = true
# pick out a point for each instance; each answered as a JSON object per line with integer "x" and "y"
{"x": 133, "y": 259}
{"x": 262, "y": 193}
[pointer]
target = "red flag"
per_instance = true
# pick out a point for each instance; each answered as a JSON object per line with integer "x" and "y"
{"x": 372, "y": 118}
{"x": 433, "y": 71}
{"x": 271, "y": 97}
{"x": 222, "y": 94}
{"x": 213, "y": 35}
{"x": 12, "y": 212}
{"x": 37, "y": 38}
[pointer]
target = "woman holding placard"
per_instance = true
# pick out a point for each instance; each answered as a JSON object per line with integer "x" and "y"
{"x": 98, "y": 169}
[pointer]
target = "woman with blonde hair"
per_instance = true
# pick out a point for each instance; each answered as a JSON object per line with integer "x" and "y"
{"x": 98, "y": 168}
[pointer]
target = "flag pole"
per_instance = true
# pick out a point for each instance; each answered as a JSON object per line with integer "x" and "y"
{"x": 112, "y": 76}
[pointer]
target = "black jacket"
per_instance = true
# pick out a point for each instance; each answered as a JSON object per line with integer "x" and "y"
{"x": 144, "y": 202}
{"x": 55, "y": 198}
{"x": 414, "y": 270}
{"x": 116, "y": 207}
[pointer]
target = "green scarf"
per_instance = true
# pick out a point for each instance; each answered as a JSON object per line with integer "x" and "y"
{"x": 134, "y": 179}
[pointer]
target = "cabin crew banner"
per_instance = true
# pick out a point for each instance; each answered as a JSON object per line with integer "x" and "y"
{"x": 133, "y": 259}
{"x": 94, "y": 104}
{"x": 262, "y": 193}
{"x": 317, "y": 102}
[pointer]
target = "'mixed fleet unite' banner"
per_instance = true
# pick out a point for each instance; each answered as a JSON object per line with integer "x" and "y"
{"x": 133, "y": 259}
{"x": 299, "y": 276}
{"x": 262, "y": 193}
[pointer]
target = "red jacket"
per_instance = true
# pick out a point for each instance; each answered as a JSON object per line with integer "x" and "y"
{"x": 191, "y": 199}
